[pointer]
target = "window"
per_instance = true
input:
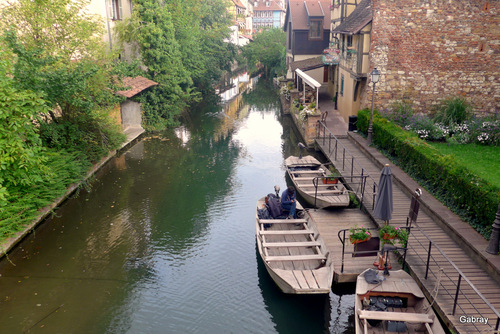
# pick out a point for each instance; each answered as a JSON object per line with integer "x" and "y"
{"x": 342, "y": 85}
{"x": 316, "y": 29}
{"x": 115, "y": 9}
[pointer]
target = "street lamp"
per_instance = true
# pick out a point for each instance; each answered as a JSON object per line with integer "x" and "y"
{"x": 375, "y": 78}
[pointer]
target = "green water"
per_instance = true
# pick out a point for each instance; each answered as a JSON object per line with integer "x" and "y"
{"x": 163, "y": 241}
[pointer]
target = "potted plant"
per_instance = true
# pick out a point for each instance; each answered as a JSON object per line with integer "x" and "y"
{"x": 389, "y": 234}
{"x": 359, "y": 234}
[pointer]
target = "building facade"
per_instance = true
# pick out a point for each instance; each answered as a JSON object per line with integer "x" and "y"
{"x": 268, "y": 14}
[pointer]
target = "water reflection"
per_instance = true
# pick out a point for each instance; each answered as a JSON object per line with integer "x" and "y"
{"x": 164, "y": 242}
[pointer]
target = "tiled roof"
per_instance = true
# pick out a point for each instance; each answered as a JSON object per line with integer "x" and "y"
{"x": 238, "y": 3}
{"x": 273, "y": 5}
{"x": 307, "y": 64}
{"x": 358, "y": 19}
{"x": 298, "y": 15}
{"x": 137, "y": 84}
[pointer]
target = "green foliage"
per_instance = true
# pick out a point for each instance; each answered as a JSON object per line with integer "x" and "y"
{"x": 268, "y": 49}
{"x": 481, "y": 159}
{"x": 453, "y": 111}
{"x": 59, "y": 28}
{"x": 467, "y": 194}
{"x": 359, "y": 234}
{"x": 24, "y": 202}
{"x": 389, "y": 234}
{"x": 182, "y": 45}
{"x": 21, "y": 152}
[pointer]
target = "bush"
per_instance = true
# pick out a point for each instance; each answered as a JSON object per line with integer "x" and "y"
{"x": 453, "y": 111}
{"x": 400, "y": 112}
{"x": 468, "y": 195}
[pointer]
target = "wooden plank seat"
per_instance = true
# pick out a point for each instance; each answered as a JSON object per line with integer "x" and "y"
{"x": 395, "y": 316}
{"x": 295, "y": 257}
{"x": 285, "y": 232}
{"x": 304, "y": 178}
{"x": 282, "y": 221}
{"x": 322, "y": 192}
{"x": 291, "y": 244}
{"x": 307, "y": 171}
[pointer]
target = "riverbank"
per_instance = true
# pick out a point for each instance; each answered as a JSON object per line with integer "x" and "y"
{"x": 133, "y": 134}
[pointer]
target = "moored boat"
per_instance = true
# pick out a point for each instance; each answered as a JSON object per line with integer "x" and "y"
{"x": 313, "y": 183}
{"x": 293, "y": 253}
{"x": 393, "y": 303}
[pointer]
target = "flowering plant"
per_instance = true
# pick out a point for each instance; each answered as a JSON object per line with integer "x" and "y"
{"x": 359, "y": 234}
{"x": 388, "y": 234}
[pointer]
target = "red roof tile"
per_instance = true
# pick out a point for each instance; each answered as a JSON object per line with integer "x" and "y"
{"x": 298, "y": 13}
{"x": 137, "y": 84}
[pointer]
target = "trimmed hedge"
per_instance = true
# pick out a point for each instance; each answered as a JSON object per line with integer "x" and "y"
{"x": 468, "y": 195}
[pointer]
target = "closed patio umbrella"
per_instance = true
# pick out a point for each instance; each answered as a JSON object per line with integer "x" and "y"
{"x": 383, "y": 204}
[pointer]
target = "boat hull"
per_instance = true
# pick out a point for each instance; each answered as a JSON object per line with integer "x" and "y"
{"x": 294, "y": 254}
{"x": 311, "y": 180}
{"x": 405, "y": 304}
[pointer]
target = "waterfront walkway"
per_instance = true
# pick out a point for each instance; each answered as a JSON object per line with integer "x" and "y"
{"x": 446, "y": 256}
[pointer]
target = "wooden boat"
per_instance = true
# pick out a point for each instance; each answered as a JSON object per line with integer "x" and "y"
{"x": 406, "y": 308}
{"x": 294, "y": 254}
{"x": 312, "y": 182}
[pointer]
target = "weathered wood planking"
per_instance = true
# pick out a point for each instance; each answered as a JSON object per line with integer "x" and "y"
{"x": 480, "y": 278}
{"x": 329, "y": 223}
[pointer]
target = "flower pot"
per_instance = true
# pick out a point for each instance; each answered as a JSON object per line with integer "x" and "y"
{"x": 358, "y": 241}
{"x": 387, "y": 236}
{"x": 330, "y": 180}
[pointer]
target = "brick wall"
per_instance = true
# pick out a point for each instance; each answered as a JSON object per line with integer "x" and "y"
{"x": 428, "y": 50}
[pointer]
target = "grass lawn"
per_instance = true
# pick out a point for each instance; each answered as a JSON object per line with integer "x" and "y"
{"x": 480, "y": 159}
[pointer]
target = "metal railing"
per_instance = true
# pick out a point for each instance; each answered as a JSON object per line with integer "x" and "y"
{"x": 362, "y": 184}
{"x": 345, "y": 162}
{"x": 447, "y": 283}
{"x": 450, "y": 284}
{"x": 343, "y": 238}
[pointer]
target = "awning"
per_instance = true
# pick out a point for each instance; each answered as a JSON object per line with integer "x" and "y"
{"x": 308, "y": 79}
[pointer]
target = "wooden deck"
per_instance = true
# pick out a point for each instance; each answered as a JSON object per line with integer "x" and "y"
{"x": 329, "y": 223}
{"x": 441, "y": 271}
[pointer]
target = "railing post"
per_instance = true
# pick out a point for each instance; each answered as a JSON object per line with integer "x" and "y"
{"x": 428, "y": 260}
{"x": 352, "y": 167}
{"x": 497, "y": 326}
{"x": 343, "y": 159}
{"x": 324, "y": 127}
{"x": 343, "y": 248}
{"x": 329, "y": 143}
{"x": 374, "y": 196}
{"x": 336, "y": 142}
{"x": 456, "y": 294}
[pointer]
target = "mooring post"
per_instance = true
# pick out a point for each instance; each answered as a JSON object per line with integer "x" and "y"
{"x": 495, "y": 235}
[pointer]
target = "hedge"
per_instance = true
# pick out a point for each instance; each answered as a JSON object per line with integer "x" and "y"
{"x": 469, "y": 196}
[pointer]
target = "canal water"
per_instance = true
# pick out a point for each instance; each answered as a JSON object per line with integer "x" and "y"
{"x": 162, "y": 240}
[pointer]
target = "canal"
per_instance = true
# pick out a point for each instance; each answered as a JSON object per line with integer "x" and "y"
{"x": 162, "y": 240}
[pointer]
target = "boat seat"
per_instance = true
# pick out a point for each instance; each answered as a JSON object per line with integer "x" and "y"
{"x": 296, "y": 257}
{"x": 306, "y": 171}
{"x": 395, "y": 316}
{"x": 291, "y": 244}
{"x": 286, "y": 232}
{"x": 282, "y": 221}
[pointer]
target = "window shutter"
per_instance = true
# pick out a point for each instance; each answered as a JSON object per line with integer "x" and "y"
{"x": 110, "y": 9}
{"x": 120, "y": 11}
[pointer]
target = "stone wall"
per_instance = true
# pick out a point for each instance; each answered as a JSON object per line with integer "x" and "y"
{"x": 428, "y": 50}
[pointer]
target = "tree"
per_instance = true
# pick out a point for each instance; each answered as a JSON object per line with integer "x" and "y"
{"x": 60, "y": 56}
{"x": 268, "y": 49}
{"x": 182, "y": 45}
{"x": 61, "y": 28}
{"x": 21, "y": 151}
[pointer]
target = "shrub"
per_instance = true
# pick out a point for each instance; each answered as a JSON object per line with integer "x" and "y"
{"x": 453, "y": 110}
{"x": 400, "y": 112}
{"x": 457, "y": 187}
